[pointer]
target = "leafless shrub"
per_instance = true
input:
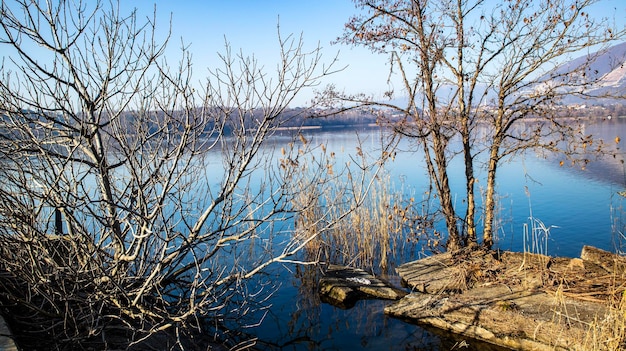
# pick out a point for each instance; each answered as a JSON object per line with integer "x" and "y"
{"x": 169, "y": 197}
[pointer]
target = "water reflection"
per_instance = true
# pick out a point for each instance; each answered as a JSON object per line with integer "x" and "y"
{"x": 581, "y": 202}
{"x": 314, "y": 325}
{"x": 609, "y": 166}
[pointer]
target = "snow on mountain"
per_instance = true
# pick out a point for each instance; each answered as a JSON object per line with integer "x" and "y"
{"x": 615, "y": 78}
{"x": 603, "y": 73}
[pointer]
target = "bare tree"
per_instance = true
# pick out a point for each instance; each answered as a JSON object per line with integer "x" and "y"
{"x": 169, "y": 198}
{"x": 481, "y": 85}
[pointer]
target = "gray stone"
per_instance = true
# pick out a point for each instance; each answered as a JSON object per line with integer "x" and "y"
{"x": 342, "y": 286}
{"x": 611, "y": 262}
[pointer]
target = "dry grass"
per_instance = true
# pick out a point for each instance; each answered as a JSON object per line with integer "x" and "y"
{"x": 607, "y": 330}
{"x": 381, "y": 229}
{"x": 373, "y": 235}
{"x": 608, "y": 333}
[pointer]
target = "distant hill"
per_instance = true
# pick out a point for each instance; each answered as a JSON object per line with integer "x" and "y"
{"x": 607, "y": 69}
{"x": 604, "y": 73}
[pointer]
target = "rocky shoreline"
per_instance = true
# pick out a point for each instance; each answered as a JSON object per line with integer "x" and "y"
{"x": 516, "y": 300}
{"x": 342, "y": 286}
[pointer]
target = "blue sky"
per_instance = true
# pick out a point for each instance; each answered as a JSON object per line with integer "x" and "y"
{"x": 251, "y": 26}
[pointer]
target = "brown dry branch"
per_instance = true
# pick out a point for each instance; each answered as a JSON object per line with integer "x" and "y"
{"x": 138, "y": 208}
{"x": 476, "y": 81}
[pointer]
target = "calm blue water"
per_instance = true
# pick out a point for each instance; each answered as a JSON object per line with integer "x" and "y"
{"x": 581, "y": 205}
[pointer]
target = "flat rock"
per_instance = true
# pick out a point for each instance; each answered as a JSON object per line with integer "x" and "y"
{"x": 519, "y": 320}
{"x": 428, "y": 275}
{"x": 610, "y": 262}
{"x": 516, "y": 300}
{"x": 342, "y": 286}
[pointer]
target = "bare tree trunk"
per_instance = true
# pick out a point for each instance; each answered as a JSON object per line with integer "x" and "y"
{"x": 465, "y": 118}
{"x": 490, "y": 202}
{"x": 470, "y": 214}
{"x": 445, "y": 196}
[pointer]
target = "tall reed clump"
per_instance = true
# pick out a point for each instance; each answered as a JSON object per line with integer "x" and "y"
{"x": 383, "y": 224}
{"x": 609, "y": 333}
{"x": 536, "y": 236}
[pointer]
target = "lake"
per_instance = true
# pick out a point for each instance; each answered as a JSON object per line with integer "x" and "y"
{"x": 581, "y": 207}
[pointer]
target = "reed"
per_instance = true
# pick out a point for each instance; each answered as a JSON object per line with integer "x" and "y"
{"x": 608, "y": 333}
{"x": 379, "y": 224}
{"x": 535, "y": 237}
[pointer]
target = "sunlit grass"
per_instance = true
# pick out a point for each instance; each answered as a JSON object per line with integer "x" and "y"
{"x": 608, "y": 333}
{"x": 382, "y": 228}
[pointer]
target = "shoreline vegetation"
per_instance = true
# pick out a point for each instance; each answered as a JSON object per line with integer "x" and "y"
{"x": 514, "y": 300}
{"x": 315, "y": 119}
{"x": 117, "y": 230}
{"x": 303, "y": 119}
